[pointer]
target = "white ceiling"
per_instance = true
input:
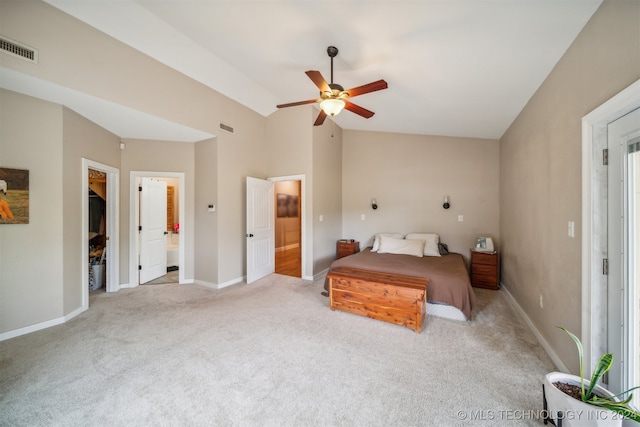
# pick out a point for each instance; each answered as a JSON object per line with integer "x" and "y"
{"x": 454, "y": 67}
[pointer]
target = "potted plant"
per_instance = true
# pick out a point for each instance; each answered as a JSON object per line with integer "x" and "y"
{"x": 573, "y": 400}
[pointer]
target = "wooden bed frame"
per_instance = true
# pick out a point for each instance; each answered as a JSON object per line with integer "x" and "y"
{"x": 393, "y": 298}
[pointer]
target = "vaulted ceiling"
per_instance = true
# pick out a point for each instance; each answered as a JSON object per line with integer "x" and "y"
{"x": 457, "y": 67}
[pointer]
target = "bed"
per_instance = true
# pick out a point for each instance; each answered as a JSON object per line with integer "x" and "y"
{"x": 449, "y": 292}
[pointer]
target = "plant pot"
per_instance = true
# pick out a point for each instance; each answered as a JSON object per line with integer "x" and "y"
{"x": 574, "y": 412}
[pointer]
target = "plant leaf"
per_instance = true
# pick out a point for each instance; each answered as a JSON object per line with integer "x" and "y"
{"x": 581, "y": 359}
{"x": 604, "y": 364}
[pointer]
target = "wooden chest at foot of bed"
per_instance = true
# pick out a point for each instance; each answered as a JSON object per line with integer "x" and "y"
{"x": 392, "y": 298}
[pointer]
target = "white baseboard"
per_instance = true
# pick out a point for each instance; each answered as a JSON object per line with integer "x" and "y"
{"x": 545, "y": 345}
{"x": 205, "y": 284}
{"x": 320, "y": 275}
{"x": 42, "y": 325}
{"x": 32, "y": 328}
{"x": 74, "y": 313}
{"x": 217, "y": 285}
{"x": 231, "y": 282}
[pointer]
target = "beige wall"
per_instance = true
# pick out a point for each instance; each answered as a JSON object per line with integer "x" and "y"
{"x": 409, "y": 175}
{"x": 296, "y": 147}
{"x": 41, "y": 263}
{"x": 74, "y": 55}
{"x": 206, "y": 223}
{"x": 289, "y": 138}
{"x": 540, "y": 164}
{"x": 239, "y": 155}
{"x": 31, "y": 262}
{"x": 327, "y": 193}
{"x": 81, "y": 139}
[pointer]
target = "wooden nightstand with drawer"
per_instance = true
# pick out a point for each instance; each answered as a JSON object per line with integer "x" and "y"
{"x": 347, "y": 247}
{"x": 485, "y": 269}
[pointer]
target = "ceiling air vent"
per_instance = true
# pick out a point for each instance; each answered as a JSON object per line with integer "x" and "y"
{"x": 16, "y": 49}
{"x": 226, "y": 128}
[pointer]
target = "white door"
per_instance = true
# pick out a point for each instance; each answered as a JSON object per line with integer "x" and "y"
{"x": 623, "y": 306}
{"x": 153, "y": 229}
{"x": 260, "y": 229}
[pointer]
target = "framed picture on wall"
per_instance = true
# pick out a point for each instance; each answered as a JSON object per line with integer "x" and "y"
{"x": 286, "y": 206}
{"x": 14, "y": 196}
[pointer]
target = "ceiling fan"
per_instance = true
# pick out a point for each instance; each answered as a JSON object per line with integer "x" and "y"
{"x": 333, "y": 97}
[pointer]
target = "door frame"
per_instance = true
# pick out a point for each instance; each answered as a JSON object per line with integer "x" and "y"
{"x": 303, "y": 219}
{"x": 112, "y": 227}
{"x": 134, "y": 221}
{"x": 594, "y": 219}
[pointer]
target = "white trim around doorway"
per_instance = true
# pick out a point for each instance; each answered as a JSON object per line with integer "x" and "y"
{"x": 112, "y": 227}
{"x": 594, "y": 138}
{"x": 134, "y": 221}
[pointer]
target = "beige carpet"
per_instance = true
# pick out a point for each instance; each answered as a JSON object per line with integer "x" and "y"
{"x": 268, "y": 354}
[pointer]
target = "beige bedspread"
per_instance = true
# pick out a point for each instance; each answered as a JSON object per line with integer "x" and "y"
{"x": 448, "y": 276}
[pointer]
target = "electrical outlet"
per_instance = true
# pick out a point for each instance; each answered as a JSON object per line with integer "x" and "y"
{"x": 362, "y": 217}
{"x": 321, "y": 218}
{"x": 571, "y": 231}
{"x": 460, "y": 218}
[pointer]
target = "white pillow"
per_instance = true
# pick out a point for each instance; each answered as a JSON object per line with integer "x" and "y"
{"x": 392, "y": 245}
{"x": 431, "y": 241}
{"x": 376, "y": 239}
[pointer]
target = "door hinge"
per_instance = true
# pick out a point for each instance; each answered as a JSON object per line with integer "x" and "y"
{"x": 605, "y": 267}
{"x": 139, "y": 267}
{"x": 605, "y": 157}
{"x": 139, "y": 228}
{"x": 140, "y": 188}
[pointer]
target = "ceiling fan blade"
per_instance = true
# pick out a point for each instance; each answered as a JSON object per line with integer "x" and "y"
{"x": 370, "y": 87}
{"x": 358, "y": 110}
{"x": 320, "y": 119}
{"x": 319, "y": 81}
{"x": 293, "y": 104}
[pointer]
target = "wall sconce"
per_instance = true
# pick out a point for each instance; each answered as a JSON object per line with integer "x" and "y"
{"x": 446, "y": 204}
{"x": 374, "y": 204}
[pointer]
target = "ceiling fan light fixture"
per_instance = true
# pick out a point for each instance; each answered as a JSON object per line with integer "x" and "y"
{"x": 332, "y": 106}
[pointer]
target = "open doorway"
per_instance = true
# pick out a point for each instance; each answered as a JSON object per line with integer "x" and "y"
{"x": 97, "y": 222}
{"x": 171, "y": 230}
{"x": 106, "y": 221}
{"x": 288, "y": 228}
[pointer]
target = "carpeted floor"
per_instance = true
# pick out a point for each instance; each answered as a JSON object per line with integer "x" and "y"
{"x": 269, "y": 354}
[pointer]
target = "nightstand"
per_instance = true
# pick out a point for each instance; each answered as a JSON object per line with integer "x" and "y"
{"x": 347, "y": 247}
{"x": 485, "y": 269}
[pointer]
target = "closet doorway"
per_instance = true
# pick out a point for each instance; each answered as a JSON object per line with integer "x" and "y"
{"x": 106, "y": 181}
{"x": 97, "y": 222}
{"x": 288, "y": 227}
